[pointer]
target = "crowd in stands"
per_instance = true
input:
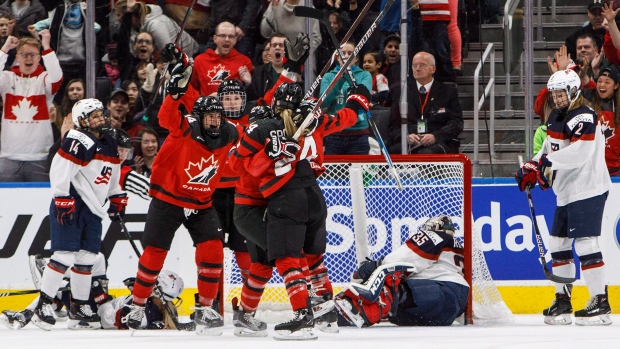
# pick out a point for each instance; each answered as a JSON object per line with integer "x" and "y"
{"x": 44, "y": 47}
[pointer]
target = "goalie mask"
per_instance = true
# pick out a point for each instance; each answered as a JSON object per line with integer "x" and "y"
{"x": 564, "y": 89}
{"x": 82, "y": 111}
{"x": 209, "y": 110}
{"x": 233, "y": 97}
{"x": 287, "y": 96}
{"x": 439, "y": 224}
{"x": 171, "y": 284}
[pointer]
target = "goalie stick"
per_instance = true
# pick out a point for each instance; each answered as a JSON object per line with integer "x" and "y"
{"x": 185, "y": 326}
{"x": 371, "y": 289}
{"x": 304, "y": 11}
{"x": 541, "y": 249}
{"x": 19, "y": 293}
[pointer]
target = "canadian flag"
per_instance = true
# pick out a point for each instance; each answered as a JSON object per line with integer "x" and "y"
{"x": 22, "y": 108}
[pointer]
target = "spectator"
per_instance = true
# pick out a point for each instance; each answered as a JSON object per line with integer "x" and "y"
{"x": 435, "y": 19}
{"x": 326, "y": 49}
{"x": 244, "y": 15}
{"x": 146, "y": 151}
{"x": 352, "y": 140}
{"x": 7, "y": 22}
{"x": 380, "y": 89}
{"x": 111, "y": 66}
{"x": 265, "y": 76}
{"x": 66, "y": 25}
{"x": 594, "y": 28}
{"x": 454, "y": 34}
{"x": 391, "y": 62}
{"x": 434, "y": 117}
{"x": 25, "y": 13}
{"x": 138, "y": 49}
{"x": 27, "y": 91}
{"x": 132, "y": 87}
{"x": 73, "y": 93}
{"x": 150, "y": 18}
{"x": 588, "y": 54}
{"x": 118, "y": 109}
{"x": 279, "y": 18}
{"x": 264, "y": 57}
{"x": 223, "y": 63}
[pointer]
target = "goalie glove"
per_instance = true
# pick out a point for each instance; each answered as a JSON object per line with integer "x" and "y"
{"x": 65, "y": 208}
{"x": 545, "y": 173}
{"x": 296, "y": 53}
{"x": 527, "y": 175}
{"x": 179, "y": 81}
{"x": 358, "y": 98}
{"x": 117, "y": 206}
{"x": 278, "y": 147}
{"x": 365, "y": 269}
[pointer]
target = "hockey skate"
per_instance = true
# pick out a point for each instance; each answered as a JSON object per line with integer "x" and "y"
{"x": 37, "y": 266}
{"x": 133, "y": 319}
{"x": 349, "y": 311}
{"x": 245, "y": 323}
{"x": 596, "y": 312}
{"x": 299, "y": 328}
{"x": 325, "y": 313}
{"x": 44, "y": 313}
{"x": 208, "y": 321}
{"x": 559, "y": 311}
{"x": 15, "y": 320}
{"x": 82, "y": 317}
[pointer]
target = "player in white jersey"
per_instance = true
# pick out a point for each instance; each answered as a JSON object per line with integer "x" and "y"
{"x": 435, "y": 294}
{"x": 84, "y": 174}
{"x": 572, "y": 160}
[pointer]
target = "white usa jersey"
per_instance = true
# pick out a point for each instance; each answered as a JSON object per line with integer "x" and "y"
{"x": 89, "y": 165}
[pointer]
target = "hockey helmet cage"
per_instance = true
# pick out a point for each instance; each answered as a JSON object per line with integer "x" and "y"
{"x": 122, "y": 138}
{"x": 567, "y": 81}
{"x": 81, "y": 111}
{"x": 287, "y": 96}
{"x": 233, "y": 97}
{"x": 205, "y": 105}
{"x": 260, "y": 112}
{"x": 441, "y": 223}
{"x": 171, "y": 284}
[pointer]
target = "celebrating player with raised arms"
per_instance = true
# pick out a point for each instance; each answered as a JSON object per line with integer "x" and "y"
{"x": 572, "y": 161}
{"x": 185, "y": 174}
{"x": 84, "y": 175}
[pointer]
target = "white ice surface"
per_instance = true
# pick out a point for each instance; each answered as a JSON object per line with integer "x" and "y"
{"x": 528, "y": 331}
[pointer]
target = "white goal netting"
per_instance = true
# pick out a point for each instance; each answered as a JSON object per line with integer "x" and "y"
{"x": 368, "y": 216}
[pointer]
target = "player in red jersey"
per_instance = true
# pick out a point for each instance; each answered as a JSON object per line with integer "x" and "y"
{"x": 184, "y": 176}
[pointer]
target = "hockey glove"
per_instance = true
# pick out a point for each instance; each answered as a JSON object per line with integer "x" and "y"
{"x": 281, "y": 146}
{"x": 151, "y": 74}
{"x": 545, "y": 173}
{"x": 117, "y": 206}
{"x": 527, "y": 175}
{"x": 171, "y": 54}
{"x": 358, "y": 98}
{"x": 179, "y": 81}
{"x": 65, "y": 208}
{"x": 296, "y": 53}
{"x": 365, "y": 270}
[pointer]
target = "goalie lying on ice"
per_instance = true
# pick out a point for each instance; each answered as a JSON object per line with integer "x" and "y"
{"x": 435, "y": 294}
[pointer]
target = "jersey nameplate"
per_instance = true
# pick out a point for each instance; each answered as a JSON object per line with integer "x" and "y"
{"x": 586, "y": 117}
{"x": 434, "y": 237}
{"x": 82, "y": 138}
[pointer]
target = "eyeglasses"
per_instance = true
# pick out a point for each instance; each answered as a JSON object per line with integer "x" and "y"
{"x": 29, "y": 54}
{"x": 224, "y": 36}
{"x": 277, "y": 44}
{"x": 419, "y": 65}
{"x": 144, "y": 41}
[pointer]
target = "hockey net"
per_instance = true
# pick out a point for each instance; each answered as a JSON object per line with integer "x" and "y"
{"x": 368, "y": 216}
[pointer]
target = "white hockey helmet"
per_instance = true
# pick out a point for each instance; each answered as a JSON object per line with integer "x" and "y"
{"x": 83, "y": 108}
{"x": 441, "y": 223}
{"x": 171, "y": 284}
{"x": 567, "y": 81}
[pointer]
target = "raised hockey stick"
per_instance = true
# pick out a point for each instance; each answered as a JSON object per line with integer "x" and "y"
{"x": 186, "y": 326}
{"x": 371, "y": 289}
{"x": 304, "y": 11}
{"x": 541, "y": 249}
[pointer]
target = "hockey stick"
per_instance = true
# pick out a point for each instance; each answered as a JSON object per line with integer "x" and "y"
{"x": 372, "y": 288}
{"x": 187, "y": 326}
{"x": 541, "y": 249}
{"x": 19, "y": 293}
{"x": 304, "y": 11}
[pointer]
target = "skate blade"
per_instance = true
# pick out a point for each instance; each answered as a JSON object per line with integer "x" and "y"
{"x": 244, "y": 332}
{"x": 323, "y": 308}
{"x": 305, "y": 334}
{"x": 202, "y": 330}
{"x": 600, "y": 320}
{"x": 83, "y": 325}
{"x": 328, "y": 327}
{"x": 563, "y": 319}
{"x": 41, "y": 324}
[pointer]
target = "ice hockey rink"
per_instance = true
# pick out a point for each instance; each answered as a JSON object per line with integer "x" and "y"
{"x": 528, "y": 331}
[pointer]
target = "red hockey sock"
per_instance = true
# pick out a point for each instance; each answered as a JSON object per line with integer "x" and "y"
{"x": 318, "y": 275}
{"x": 294, "y": 280}
{"x": 243, "y": 262}
{"x": 209, "y": 260}
{"x": 253, "y": 287}
{"x": 303, "y": 262}
{"x": 149, "y": 266}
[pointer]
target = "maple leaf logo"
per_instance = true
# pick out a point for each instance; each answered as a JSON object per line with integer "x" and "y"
{"x": 219, "y": 73}
{"x": 608, "y": 132}
{"x": 202, "y": 171}
{"x": 24, "y": 111}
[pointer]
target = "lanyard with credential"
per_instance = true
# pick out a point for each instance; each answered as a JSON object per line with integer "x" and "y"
{"x": 425, "y": 100}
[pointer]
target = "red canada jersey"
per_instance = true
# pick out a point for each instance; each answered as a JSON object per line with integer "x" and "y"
{"x": 612, "y": 141}
{"x": 275, "y": 173}
{"x": 189, "y": 164}
{"x": 210, "y": 69}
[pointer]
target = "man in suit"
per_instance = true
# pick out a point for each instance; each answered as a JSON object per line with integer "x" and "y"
{"x": 434, "y": 117}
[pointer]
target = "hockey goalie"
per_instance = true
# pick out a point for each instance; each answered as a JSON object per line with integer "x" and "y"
{"x": 419, "y": 284}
